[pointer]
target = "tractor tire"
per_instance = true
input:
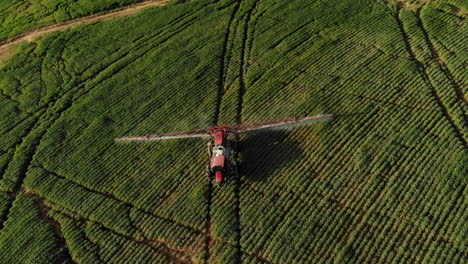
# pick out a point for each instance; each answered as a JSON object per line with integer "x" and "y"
{"x": 233, "y": 170}
{"x": 209, "y": 173}
{"x": 237, "y": 146}
{"x": 221, "y": 181}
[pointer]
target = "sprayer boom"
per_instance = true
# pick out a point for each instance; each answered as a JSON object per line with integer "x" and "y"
{"x": 222, "y": 161}
{"x": 228, "y": 129}
{"x": 241, "y": 128}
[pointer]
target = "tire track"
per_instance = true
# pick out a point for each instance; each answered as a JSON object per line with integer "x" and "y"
{"x": 140, "y": 42}
{"x": 423, "y": 72}
{"x": 25, "y": 130}
{"x": 166, "y": 251}
{"x": 4, "y": 214}
{"x": 55, "y": 225}
{"x": 22, "y": 170}
{"x": 143, "y": 240}
{"x": 246, "y": 46}
{"x": 436, "y": 58}
{"x": 18, "y": 123}
{"x": 27, "y": 158}
{"x": 237, "y": 191}
{"x": 189, "y": 17}
{"x": 405, "y": 37}
{"x": 118, "y": 200}
{"x": 55, "y": 108}
{"x": 293, "y": 32}
{"x": 253, "y": 31}
{"x": 224, "y": 65}
{"x": 209, "y": 197}
{"x": 242, "y": 65}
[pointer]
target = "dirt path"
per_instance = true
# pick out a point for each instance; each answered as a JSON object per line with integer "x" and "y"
{"x": 29, "y": 36}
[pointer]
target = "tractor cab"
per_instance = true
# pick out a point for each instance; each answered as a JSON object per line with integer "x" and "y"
{"x": 218, "y": 151}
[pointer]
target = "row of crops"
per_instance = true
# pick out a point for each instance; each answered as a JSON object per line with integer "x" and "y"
{"x": 382, "y": 182}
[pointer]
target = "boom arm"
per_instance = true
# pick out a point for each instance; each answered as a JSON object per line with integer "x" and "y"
{"x": 229, "y": 129}
{"x": 195, "y": 133}
{"x": 241, "y": 128}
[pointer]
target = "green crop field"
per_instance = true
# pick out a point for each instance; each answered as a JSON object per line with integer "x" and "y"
{"x": 383, "y": 181}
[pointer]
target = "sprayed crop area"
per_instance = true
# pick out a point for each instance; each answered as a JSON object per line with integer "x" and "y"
{"x": 384, "y": 181}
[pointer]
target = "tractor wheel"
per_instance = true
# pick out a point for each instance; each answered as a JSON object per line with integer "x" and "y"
{"x": 220, "y": 178}
{"x": 233, "y": 170}
{"x": 237, "y": 147}
{"x": 209, "y": 173}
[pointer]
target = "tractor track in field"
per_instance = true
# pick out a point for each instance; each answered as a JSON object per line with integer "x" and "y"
{"x": 224, "y": 66}
{"x": 127, "y": 204}
{"x": 442, "y": 67}
{"x": 246, "y": 49}
{"x": 72, "y": 95}
{"x": 436, "y": 58}
{"x": 75, "y": 94}
{"x": 163, "y": 249}
{"x": 8, "y": 130}
{"x": 4, "y": 215}
{"x": 52, "y": 112}
{"x": 15, "y": 146}
{"x": 237, "y": 191}
{"x": 246, "y": 46}
{"x": 226, "y": 55}
{"x": 29, "y": 155}
{"x": 209, "y": 197}
{"x": 250, "y": 42}
{"x": 33, "y": 34}
{"x": 56, "y": 227}
{"x": 243, "y": 63}
{"x": 425, "y": 76}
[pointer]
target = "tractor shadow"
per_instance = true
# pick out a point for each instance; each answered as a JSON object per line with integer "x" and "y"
{"x": 262, "y": 153}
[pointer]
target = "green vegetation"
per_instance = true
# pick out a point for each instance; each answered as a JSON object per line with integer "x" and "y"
{"x": 18, "y": 16}
{"x": 36, "y": 244}
{"x": 383, "y": 182}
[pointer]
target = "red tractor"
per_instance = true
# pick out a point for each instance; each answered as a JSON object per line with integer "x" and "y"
{"x": 221, "y": 155}
{"x": 221, "y": 151}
